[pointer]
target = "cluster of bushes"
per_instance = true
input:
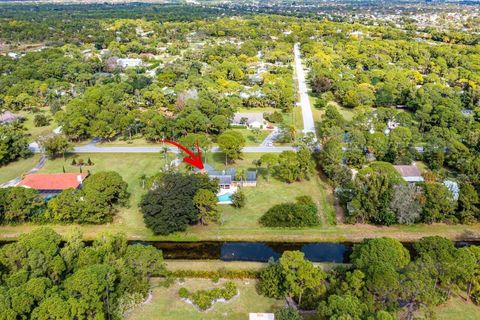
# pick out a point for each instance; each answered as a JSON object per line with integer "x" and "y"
{"x": 176, "y": 200}
{"x": 383, "y": 280}
{"x": 80, "y": 162}
{"x": 302, "y": 213}
{"x": 95, "y": 202}
{"x": 204, "y": 299}
{"x": 289, "y": 166}
{"x": 379, "y": 195}
{"x": 47, "y": 277}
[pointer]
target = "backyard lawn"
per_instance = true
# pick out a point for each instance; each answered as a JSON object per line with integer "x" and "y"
{"x": 166, "y": 304}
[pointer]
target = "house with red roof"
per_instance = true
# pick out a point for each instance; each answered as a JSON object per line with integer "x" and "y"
{"x": 51, "y": 184}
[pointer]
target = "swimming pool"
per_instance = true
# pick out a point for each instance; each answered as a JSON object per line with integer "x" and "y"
{"x": 226, "y": 197}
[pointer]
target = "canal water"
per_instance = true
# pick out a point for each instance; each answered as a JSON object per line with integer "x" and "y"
{"x": 263, "y": 251}
{"x": 252, "y": 251}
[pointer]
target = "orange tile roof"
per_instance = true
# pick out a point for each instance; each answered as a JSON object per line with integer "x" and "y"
{"x": 53, "y": 181}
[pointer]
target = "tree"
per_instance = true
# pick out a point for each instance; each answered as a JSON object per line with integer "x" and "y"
{"x": 303, "y": 213}
{"x": 288, "y": 313}
{"x": 306, "y": 165}
{"x": 238, "y": 199}
{"x": 231, "y": 143}
{"x": 300, "y": 274}
{"x": 399, "y": 145}
{"x": 268, "y": 160}
{"x": 107, "y": 185}
{"x": 168, "y": 207}
{"x": 339, "y": 307}
{"x": 40, "y": 120}
{"x": 439, "y": 203}
{"x": 206, "y": 203}
{"x": 468, "y": 203}
{"x": 18, "y": 204}
{"x": 14, "y": 143}
{"x": 418, "y": 287}
{"x": 271, "y": 281}
{"x": 321, "y": 84}
{"x": 450, "y": 266}
{"x": 379, "y": 251}
{"x": 371, "y": 202}
{"x": 288, "y": 167}
{"x": 91, "y": 286}
{"x": 406, "y": 203}
{"x": 55, "y": 145}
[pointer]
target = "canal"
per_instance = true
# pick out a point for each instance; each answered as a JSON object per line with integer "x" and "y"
{"x": 261, "y": 251}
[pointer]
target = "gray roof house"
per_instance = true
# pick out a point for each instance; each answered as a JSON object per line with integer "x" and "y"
{"x": 250, "y": 119}
{"x": 8, "y": 117}
{"x": 409, "y": 173}
{"x": 228, "y": 177}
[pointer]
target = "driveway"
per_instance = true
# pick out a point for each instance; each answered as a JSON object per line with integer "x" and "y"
{"x": 308, "y": 123}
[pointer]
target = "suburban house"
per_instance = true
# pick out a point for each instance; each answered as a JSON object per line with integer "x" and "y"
{"x": 249, "y": 119}
{"x": 129, "y": 63}
{"x": 51, "y": 184}
{"x": 8, "y": 117}
{"x": 409, "y": 173}
{"x": 228, "y": 179}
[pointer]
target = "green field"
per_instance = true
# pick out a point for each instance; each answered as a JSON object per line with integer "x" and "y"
{"x": 17, "y": 168}
{"x": 166, "y": 304}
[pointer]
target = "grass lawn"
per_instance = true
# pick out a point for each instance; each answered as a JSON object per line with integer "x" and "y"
{"x": 250, "y": 138}
{"x": 38, "y": 131}
{"x": 166, "y": 304}
{"x": 458, "y": 308}
{"x": 17, "y": 168}
{"x": 135, "y": 142}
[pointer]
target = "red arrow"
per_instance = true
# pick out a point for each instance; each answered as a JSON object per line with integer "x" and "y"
{"x": 194, "y": 160}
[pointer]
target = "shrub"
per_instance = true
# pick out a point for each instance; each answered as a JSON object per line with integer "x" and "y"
{"x": 202, "y": 299}
{"x": 74, "y": 162}
{"x": 300, "y": 214}
{"x": 288, "y": 313}
{"x": 40, "y": 120}
{"x": 229, "y": 291}
{"x": 238, "y": 199}
{"x": 216, "y": 278}
{"x": 183, "y": 293}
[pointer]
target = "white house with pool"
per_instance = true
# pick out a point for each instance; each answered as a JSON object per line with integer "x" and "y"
{"x": 229, "y": 181}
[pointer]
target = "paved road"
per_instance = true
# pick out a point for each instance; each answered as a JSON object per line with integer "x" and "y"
{"x": 308, "y": 123}
{"x": 92, "y": 147}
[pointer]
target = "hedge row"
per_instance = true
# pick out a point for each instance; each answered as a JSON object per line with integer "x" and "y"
{"x": 212, "y": 274}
